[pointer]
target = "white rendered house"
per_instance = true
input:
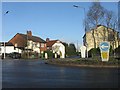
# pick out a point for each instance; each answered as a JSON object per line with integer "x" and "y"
{"x": 8, "y": 48}
{"x": 59, "y": 48}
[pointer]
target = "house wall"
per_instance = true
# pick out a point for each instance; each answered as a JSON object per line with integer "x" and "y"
{"x": 100, "y": 34}
{"x": 59, "y": 48}
{"x": 43, "y": 47}
{"x": 34, "y": 46}
{"x": 9, "y": 49}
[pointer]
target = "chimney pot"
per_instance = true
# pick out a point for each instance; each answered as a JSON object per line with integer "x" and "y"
{"x": 47, "y": 39}
{"x": 29, "y": 33}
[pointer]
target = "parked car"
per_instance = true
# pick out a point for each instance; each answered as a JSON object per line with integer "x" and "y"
{"x": 15, "y": 55}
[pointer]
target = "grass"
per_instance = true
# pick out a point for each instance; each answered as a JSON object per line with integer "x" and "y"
{"x": 80, "y": 61}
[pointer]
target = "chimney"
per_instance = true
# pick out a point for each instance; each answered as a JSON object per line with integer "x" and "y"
{"x": 47, "y": 39}
{"x": 29, "y": 33}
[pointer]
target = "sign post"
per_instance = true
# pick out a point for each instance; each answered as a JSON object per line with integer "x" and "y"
{"x": 104, "y": 48}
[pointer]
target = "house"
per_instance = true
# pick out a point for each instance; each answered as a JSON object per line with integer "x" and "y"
{"x": 8, "y": 48}
{"x": 101, "y": 33}
{"x": 57, "y": 47}
{"x": 29, "y": 43}
{"x": 49, "y": 43}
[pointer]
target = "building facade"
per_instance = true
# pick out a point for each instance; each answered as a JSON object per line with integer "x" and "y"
{"x": 29, "y": 43}
{"x": 92, "y": 38}
{"x": 8, "y": 48}
{"x": 57, "y": 47}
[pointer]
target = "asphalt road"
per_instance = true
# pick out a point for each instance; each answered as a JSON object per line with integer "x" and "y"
{"x": 37, "y": 74}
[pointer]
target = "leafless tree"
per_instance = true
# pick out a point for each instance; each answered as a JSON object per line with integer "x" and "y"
{"x": 111, "y": 21}
{"x": 95, "y": 17}
{"x": 107, "y": 22}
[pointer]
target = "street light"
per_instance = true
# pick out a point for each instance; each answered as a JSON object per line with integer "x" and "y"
{"x": 76, "y": 6}
{"x": 3, "y": 35}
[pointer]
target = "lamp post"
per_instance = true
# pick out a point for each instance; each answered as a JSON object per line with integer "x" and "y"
{"x": 76, "y": 6}
{"x": 3, "y": 35}
{"x": 4, "y": 49}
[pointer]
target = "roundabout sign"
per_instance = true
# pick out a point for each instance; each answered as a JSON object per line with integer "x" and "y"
{"x": 104, "y": 48}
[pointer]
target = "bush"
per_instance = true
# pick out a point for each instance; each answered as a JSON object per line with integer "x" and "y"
{"x": 50, "y": 54}
{"x": 117, "y": 51}
{"x": 26, "y": 55}
{"x": 94, "y": 52}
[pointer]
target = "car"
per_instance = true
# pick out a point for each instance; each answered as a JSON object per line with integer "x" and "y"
{"x": 15, "y": 55}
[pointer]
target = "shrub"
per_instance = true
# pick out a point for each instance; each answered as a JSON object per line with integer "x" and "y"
{"x": 50, "y": 54}
{"x": 117, "y": 51}
{"x": 26, "y": 55}
{"x": 94, "y": 52}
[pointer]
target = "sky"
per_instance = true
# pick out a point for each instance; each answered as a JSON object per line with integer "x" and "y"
{"x": 54, "y": 20}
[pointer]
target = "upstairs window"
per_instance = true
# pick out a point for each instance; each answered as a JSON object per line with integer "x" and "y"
{"x": 42, "y": 44}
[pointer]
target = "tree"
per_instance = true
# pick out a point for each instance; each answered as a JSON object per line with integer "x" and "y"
{"x": 95, "y": 16}
{"x": 94, "y": 52}
{"x": 111, "y": 22}
{"x": 108, "y": 19}
{"x": 119, "y": 17}
{"x": 66, "y": 48}
{"x": 71, "y": 49}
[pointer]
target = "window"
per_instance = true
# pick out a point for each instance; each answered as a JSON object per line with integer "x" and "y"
{"x": 47, "y": 47}
{"x": 38, "y": 45}
{"x": 42, "y": 44}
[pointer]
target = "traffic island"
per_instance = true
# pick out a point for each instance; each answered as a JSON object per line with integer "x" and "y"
{"x": 113, "y": 63}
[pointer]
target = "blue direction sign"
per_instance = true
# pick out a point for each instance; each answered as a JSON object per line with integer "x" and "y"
{"x": 104, "y": 46}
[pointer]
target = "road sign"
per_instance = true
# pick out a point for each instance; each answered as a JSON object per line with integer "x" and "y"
{"x": 104, "y": 48}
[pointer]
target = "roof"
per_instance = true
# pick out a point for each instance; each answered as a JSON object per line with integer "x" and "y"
{"x": 51, "y": 42}
{"x": 33, "y": 38}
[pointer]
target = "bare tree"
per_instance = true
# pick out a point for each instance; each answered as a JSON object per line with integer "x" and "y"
{"x": 107, "y": 21}
{"x": 111, "y": 21}
{"x": 95, "y": 17}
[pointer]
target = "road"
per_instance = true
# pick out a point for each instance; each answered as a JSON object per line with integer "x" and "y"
{"x": 37, "y": 74}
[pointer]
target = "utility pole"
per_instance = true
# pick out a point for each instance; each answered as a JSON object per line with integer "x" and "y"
{"x": 76, "y": 6}
{"x": 27, "y": 46}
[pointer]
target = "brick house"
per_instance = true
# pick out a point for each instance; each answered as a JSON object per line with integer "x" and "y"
{"x": 29, "y": 43}
{"x": 49, "y": 43}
